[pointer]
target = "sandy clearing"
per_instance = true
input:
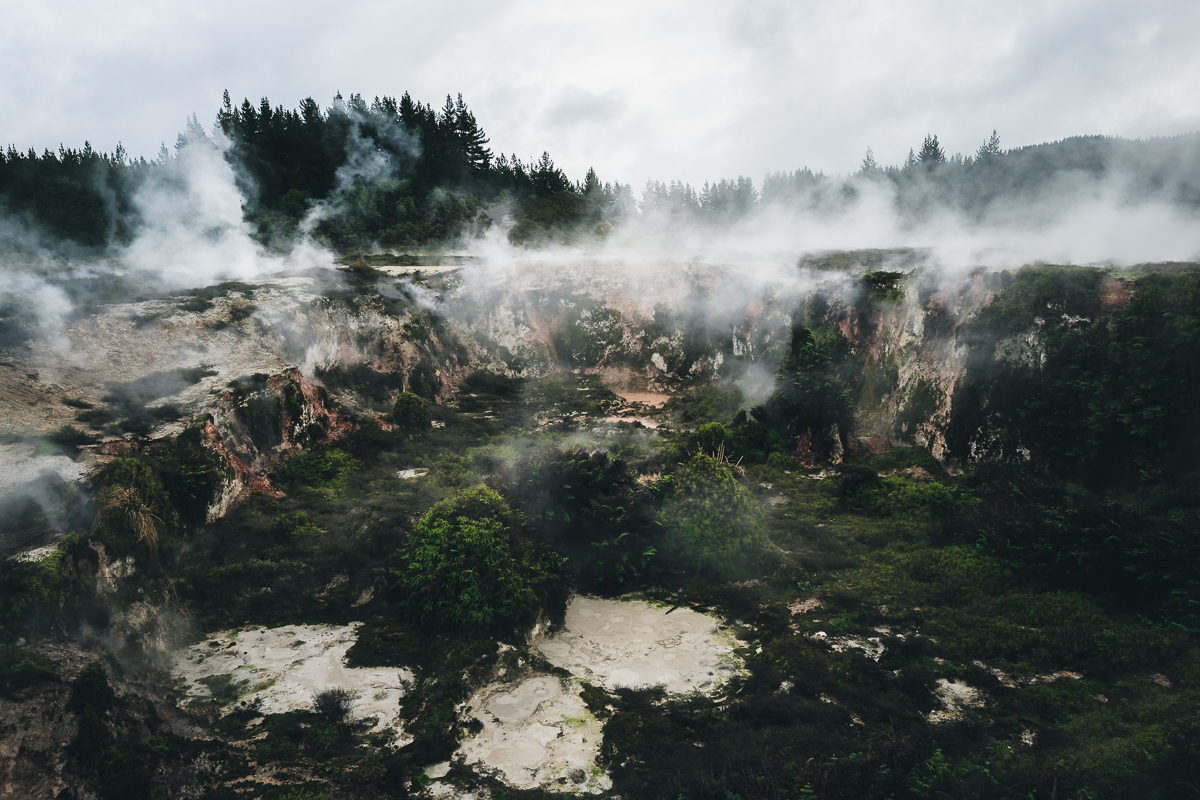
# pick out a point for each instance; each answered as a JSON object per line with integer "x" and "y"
{"x": 537, "y": 732}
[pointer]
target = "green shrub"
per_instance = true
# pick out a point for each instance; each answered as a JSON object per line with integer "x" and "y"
{"x": 467, "y": 566}
{"x": 811, "y": 403}
{"x": 411, "y": 413}
{"x": 577, "y": 496}
{"x": 297, "y": 524}
{"x": 707, "y": 404}
{"x": 335, "y": 705}
{"x": 864, "y": 490}
{"x": 779, "y": 461}
{"x": 452, "y": 471}
{"x": 712, "y": 523}
{"x": 591, "y": 507}
{"x": 710, "y": 437}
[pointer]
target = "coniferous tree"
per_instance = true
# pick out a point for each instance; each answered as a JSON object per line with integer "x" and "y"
{"x": 989, "y": 149}
{"x": 868, "y": 165}
{"x": 931, "y": 154}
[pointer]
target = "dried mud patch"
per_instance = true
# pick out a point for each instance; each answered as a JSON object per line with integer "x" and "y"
{"x": 536, "y": 731}
{"x": 283, "y": 668}
{"x": 631, "y": 644}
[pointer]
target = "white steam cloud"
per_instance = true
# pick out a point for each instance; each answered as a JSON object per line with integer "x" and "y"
{"x": 193, "y": 232}
{"x": 1076, "y": 221}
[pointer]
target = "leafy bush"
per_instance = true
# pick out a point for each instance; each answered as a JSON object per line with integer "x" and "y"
{"x": 707, "y": 404}
{"x": 1077, "y": 540}
{"x": 467, "y": 566}
{"x": 709, "y": 438}
{"x": 712, "y": 523}
{"x": 294, "y": 525}
{"x": 1101, "y": 397}
{"x": 862, "y": 489}
{"x": 576, "y": 495}
{"x": 411, "y": 413}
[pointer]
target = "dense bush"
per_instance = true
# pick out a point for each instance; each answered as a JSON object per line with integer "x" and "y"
{"x": 327, "y": 471}
{"x": 711, "y": 523}
{"x": 575, "y": 496}
{"x": 1100, "y": 396}
{"x": 466, "y": 563}
{"x": 335, "y": 705}
{"x": 411, "y": 413}
{"x": 591, "y": 507}
{"x": 1074, "y": 539}
{"x": 862, "y": 489}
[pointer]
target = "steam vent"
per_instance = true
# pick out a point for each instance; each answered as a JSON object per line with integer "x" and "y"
{"x": 343, "y": 458}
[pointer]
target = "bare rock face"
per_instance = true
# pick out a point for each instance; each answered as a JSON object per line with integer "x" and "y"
{"x": 38, "y": 728}
{"x": 257, "y": 424}
{"x": 244, "y": 360}
{"x": 35, "y": 729}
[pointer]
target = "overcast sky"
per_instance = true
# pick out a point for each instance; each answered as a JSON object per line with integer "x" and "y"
{"x": 636, "y": 88}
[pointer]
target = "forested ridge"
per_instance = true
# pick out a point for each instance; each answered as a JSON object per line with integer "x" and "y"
{"x": 402, "y": 173}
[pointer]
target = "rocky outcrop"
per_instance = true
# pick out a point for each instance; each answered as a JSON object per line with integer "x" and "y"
{"x": 256, "y": 425}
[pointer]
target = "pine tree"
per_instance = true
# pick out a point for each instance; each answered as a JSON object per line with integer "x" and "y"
{"x": 989, "y": 149}
{"x": 591, "y": 186}
{"x": 869, "y": 164}
{"x": 471, "y": 138}
{"x": 931, "y": 153}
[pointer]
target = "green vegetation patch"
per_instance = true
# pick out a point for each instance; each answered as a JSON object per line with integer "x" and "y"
{"x": 711, "y": 523}
{"x": 468, "y": 565}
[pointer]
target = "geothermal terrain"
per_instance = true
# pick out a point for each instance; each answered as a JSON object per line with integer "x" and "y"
{"x": 841, "y": 525}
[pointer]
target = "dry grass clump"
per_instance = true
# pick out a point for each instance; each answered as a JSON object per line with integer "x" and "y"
{"x": 129, "y": 500}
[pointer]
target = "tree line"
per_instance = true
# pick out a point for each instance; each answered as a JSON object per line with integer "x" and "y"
{"x": 403, "y": 173}
{"x": 929, "y": 179}
{"x": 392, "y": 172}
{"x": 78, "y": 195}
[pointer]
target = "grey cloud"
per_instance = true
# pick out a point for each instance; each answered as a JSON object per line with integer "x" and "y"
{"x": 665, "y": 89}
